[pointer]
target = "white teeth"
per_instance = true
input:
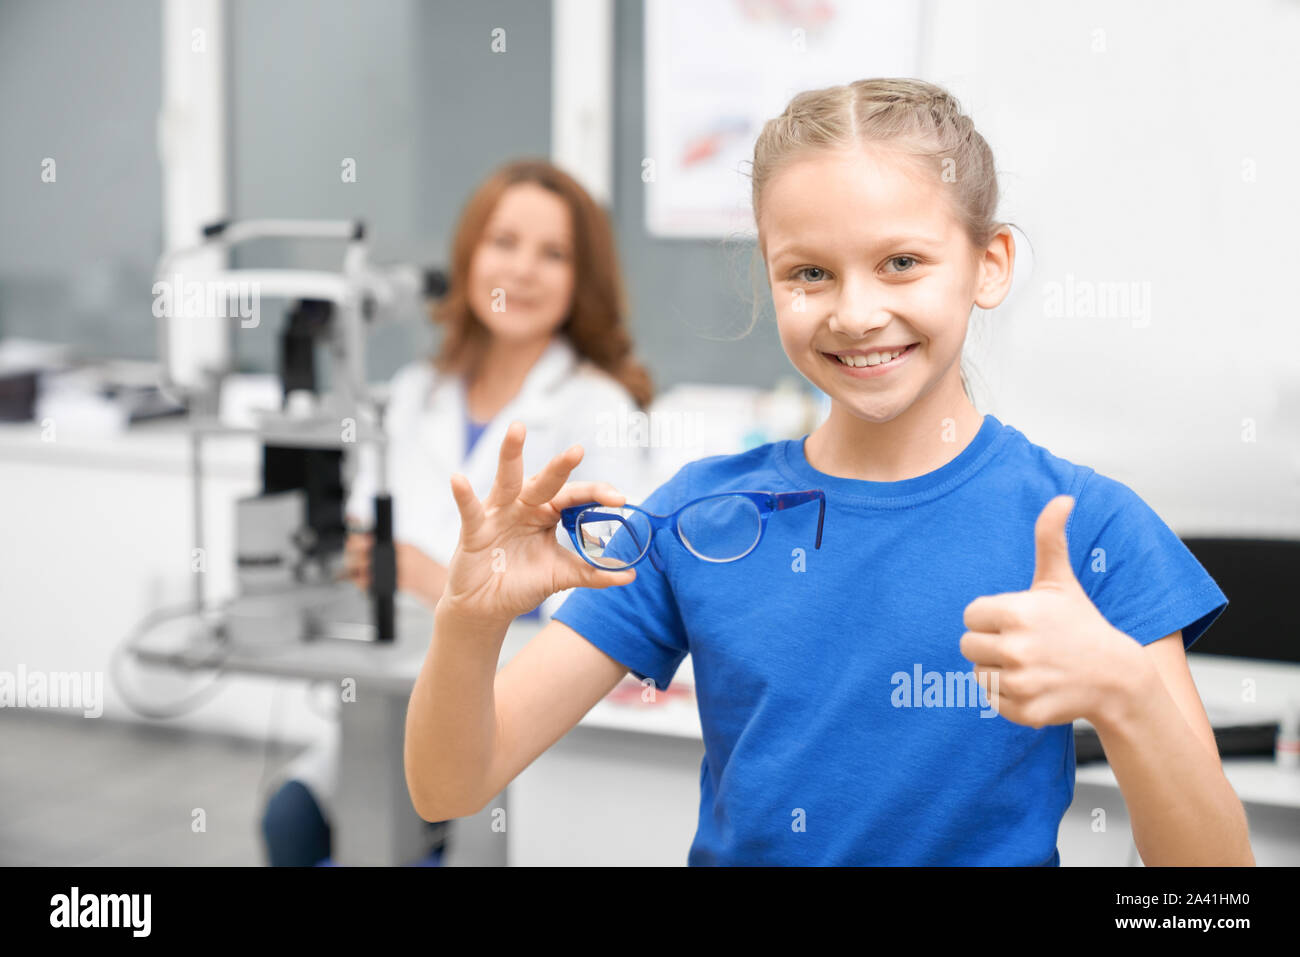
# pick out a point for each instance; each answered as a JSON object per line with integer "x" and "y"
{"x": 870, "y": 359}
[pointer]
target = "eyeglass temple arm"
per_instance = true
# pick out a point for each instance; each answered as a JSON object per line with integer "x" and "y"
{"x": 784, "y": 500}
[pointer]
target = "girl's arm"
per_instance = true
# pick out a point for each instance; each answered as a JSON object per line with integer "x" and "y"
{"x": 462, "y": 746}
{"x": 1161, "y": 747}
{"x": 1048, "y": 656}
{"x": 471, "y": 729}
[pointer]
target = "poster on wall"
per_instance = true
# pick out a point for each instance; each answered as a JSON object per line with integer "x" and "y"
{"x": 716, "y": 70}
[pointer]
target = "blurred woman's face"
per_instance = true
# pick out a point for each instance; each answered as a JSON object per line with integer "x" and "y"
{"x": 521, "y": 277}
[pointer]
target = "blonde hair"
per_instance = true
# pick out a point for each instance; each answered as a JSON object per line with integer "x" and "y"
{"x": 908, "y": 116}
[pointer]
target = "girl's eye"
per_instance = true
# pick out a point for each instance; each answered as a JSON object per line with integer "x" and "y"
{"x": 802, "y": 270}
{"x": 908, "y": 259}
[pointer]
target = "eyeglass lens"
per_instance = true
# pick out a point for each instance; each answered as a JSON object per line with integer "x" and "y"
{"x": 612, "y": 537}
{"x": 718, "y": 529}
{"x": 721, "y": 529}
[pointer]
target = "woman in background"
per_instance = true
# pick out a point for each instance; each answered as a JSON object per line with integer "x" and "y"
{"x": 533, "y": 330}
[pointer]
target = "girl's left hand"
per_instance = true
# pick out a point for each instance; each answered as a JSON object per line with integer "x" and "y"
{"x": 419, "y": 574}
{"x": 1049, "y": 654}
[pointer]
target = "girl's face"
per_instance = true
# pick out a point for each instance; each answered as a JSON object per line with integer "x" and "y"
{"x": 521, "y": 277}
{"x": 865, "y": 254}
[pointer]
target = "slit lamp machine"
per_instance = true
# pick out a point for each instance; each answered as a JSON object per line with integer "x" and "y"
{"x": 287, "y": 535}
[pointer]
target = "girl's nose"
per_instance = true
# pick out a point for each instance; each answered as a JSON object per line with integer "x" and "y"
{"x": 859, "y": 310}
{"x": 853, "y": 323}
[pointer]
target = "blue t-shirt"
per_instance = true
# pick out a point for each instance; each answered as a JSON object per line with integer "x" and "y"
{"x": 813, "y": 666}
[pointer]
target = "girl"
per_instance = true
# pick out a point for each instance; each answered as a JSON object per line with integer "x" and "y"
{"x": 836, "y": 684}
{"x": 534, "y": 331}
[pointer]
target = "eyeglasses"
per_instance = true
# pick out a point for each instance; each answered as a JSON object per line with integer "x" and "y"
{"x": 716, "y": 528}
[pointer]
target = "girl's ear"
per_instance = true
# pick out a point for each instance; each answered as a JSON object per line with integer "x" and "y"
{"x": 996, "y": 269}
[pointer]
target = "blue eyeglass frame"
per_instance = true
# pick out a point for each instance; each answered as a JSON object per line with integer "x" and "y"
{"x": 766, "y": 502}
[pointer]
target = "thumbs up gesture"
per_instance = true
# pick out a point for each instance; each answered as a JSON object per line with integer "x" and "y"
{"x": 1047, "y": 655}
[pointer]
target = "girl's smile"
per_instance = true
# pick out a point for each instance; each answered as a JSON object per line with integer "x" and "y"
{"x": 869, "y": 363}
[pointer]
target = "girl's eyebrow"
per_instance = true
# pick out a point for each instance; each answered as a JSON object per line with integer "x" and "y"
{"x": 915, "y": 239}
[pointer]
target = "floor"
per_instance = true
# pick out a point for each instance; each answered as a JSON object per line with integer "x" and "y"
{"x": 78, "y": 792}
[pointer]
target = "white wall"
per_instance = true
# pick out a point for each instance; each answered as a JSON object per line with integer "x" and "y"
{"x": 1125, "y": 164}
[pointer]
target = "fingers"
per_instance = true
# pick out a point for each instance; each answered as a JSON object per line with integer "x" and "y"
{"x": 356, "y": 559}
{"x": 357, "y": 548}
{"x": 575, "y": 493}
{"x": 576, "y": 573}
{"x": 471, "y": 509}
{"x": 547, "y": 486}
{"x": 1051, "y": 551}
{"x": 541, "y": 488}
{"x": 510, "y": 468}
{"x": 991, "y": 613}
{"x": 983, "y": 649}
{"x": 990, "y": 680}
{"x": 358, "y": 574}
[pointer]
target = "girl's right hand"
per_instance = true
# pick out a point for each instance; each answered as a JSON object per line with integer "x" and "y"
{"x": 508, "y": 559}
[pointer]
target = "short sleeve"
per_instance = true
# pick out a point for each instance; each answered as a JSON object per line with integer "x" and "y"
{"x": 638, "y": 624}
{"x": 1136, "y": 569}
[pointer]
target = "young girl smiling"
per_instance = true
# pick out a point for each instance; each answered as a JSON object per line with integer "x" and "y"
{"x": 952, "y": 546}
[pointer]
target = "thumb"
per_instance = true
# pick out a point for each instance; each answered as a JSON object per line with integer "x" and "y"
{"x": 576, "y": 573}
{"x": 1051, "y": 553}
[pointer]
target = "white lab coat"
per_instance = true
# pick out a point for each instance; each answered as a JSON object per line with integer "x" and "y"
{"x": 564, "y": 400}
